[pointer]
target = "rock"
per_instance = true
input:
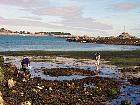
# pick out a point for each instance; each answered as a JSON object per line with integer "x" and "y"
{"x": 126, "y": 102}
{"x": 1, "y": 99}
{"x": 21, "y": 93}
{"x": 24, "y": 80}
{"x": 50, "y": 88}
{"x": 11, "y": 83}
{"x": 39, "y": 87}
{"x": 26, "y": 103}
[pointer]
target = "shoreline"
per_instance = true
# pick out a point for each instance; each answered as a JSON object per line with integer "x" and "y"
{"x": 33, "y": 34}
{"x": 112, "y": 41}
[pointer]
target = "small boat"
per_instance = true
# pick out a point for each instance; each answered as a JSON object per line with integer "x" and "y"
{"x": 84, "y": 41}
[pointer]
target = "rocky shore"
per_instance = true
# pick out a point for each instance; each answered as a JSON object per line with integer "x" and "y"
{"x": 19, "y": 89}
{"x": 132, "y": 73}
{"x": 116, "y": 41}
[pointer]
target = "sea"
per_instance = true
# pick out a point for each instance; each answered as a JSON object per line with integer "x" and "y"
{"x": 49, "y": 43}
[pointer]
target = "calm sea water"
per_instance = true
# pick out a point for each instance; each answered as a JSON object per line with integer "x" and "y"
{"x": 47, "y": 43}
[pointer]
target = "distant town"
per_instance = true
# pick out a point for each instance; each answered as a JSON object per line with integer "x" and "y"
{"x": 123, "y": 39}
{"x": 4, "y": 31}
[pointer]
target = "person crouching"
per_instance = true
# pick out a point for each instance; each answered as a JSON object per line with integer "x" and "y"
{"x": 25, "y": 63}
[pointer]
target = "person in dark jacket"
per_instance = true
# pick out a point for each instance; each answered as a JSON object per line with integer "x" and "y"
{"x": 25, "y": 63}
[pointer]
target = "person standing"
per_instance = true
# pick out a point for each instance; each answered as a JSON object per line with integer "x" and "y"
{"x": 97, "y": 61}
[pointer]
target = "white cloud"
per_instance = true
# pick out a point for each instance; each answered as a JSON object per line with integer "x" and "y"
{"x": 126, "y": 6}
{"x": 31, "y": 18}
{"x": 72, "y": 18}
{"x": 85, "y": 23}
{"x": 58, "y": 11}
{"x": 24, "y": 3}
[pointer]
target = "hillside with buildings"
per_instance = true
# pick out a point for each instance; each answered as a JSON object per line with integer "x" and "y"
{"x": 4, "y": 31}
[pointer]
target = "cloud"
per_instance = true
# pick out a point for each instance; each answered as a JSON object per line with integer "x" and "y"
{"x": 31, "y": 18}
{"x": 23, "y": 22}
{"x": 126, "y": 6}
{"x": 58, "y": 11}
{"x": 135, "y": 29}
{"x": 72, "y": 17}
{"x": 23, "y": 3}
{"x": 85, "y": 23}
{"x": 1, "y": 18}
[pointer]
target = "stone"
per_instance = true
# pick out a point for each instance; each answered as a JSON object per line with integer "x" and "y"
{"x": 1, "y": 99}
{"x": 26, "y": 103}
{"x": 50, "y": 88}
{"x": 11, "y": 83}
{"x": 126, "y": 102}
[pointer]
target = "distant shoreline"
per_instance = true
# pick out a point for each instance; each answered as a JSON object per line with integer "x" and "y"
{"x": 17, "y": 34}
{"x": 115, "y": 41}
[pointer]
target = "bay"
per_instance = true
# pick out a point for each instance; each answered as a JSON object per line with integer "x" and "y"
{"x": 48, "y": 43}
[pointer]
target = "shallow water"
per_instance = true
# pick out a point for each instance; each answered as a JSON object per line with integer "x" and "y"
{"x": 47, "y": 43}
{"x": 35, "y": 71}
{"x": 128, "y": 92}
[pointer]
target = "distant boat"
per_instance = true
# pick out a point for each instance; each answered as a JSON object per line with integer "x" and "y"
{"x": 84, "y": 41}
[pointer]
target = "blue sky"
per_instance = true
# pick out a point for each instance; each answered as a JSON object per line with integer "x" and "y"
{"x": 79, "y": 17}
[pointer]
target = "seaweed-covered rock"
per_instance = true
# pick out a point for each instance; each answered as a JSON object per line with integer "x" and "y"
{"x": 135, "y": 81}
{"x": 112, "y": 92}
{"x": 126, "y": 102}
{"x": 67, "y": 71}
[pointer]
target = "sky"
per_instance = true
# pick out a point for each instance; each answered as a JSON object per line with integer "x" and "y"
{"x": 79, "y": 17}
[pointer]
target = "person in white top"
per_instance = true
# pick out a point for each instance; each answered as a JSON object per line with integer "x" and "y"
{"x": 97, "y": 61}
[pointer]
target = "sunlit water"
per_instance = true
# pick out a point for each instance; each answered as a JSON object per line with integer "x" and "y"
{"x": 47, "y": 43}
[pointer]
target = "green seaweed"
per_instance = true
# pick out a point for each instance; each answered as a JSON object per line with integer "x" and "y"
{"x": 112, "y": 92}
